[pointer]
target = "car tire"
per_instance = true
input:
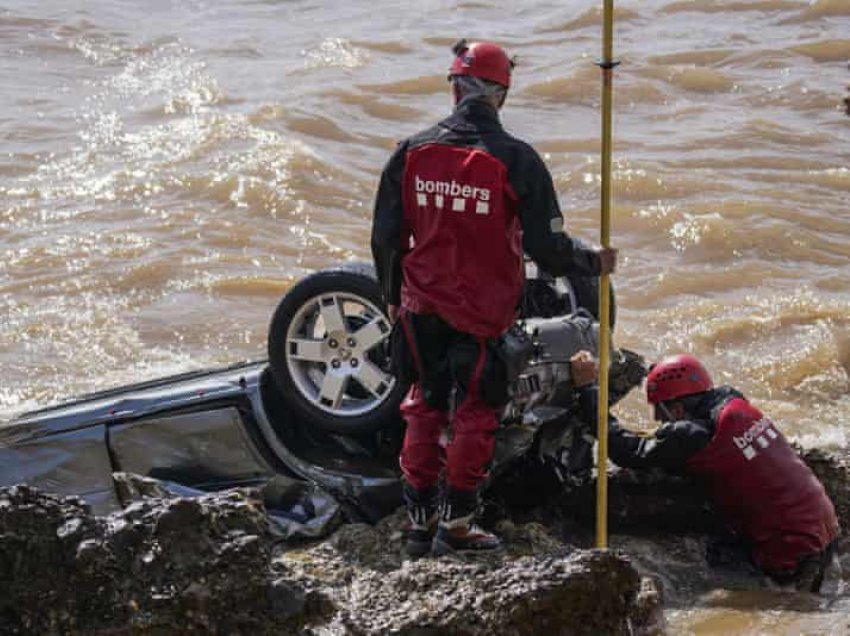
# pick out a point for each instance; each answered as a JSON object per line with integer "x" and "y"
{"x": 328, "y": 352}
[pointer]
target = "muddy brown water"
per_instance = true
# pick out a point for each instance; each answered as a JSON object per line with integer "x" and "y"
{"x": 168, "y": 169}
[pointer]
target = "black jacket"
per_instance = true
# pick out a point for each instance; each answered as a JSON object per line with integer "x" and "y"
{"x": 671, "y": 445}
{"x": 475, "y": 124}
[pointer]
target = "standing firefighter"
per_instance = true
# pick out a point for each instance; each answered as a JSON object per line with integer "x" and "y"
{"x": 456, "y": 207}
{"x": 778, "y": 513}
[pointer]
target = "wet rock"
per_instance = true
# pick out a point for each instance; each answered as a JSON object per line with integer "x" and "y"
{"x": 200, "y": 563}
{"x": 535, "y": 585}
{"x": 130, "y": 487}
{"x": 833, "y": 470}
{"x": 380, "y": 547}
{"x": 208, "y": 564}
{"x": 39, "y": 536}
{"x": 648, "y": 617}
{"x": 582, "y": 593}
{"x": 212, "y": 564}
{"x": 585, "y": 592}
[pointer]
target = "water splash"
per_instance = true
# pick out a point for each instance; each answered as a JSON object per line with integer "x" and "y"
{"x": 335, "y": 52}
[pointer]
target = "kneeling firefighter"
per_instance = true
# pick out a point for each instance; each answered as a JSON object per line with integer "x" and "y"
{"x": 456, "y": 207}
{"x": 777, "y": 512}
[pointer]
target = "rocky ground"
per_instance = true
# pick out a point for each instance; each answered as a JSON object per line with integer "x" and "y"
{"x": 213, "y": 565}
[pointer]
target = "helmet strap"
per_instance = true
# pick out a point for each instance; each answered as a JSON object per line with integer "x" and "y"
{"x": 456, "y": 93}
{"x": 665, "y": 412}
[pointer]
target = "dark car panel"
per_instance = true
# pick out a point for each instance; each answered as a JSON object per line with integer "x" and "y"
{"x": 201, "y": 449}
{"x": 73, "y": 462}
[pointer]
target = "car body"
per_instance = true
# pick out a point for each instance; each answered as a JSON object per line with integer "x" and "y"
{"x": 208, "y": 430}
{"x": 322, "y": 410}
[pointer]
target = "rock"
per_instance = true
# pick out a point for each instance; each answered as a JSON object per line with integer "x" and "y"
{"x": 581, "y": 593}
{"x": 130, "y": 487}
{"x": 833, "y": 470}
{"x": 535, "y": 585}
{"x": 200, "y": 563}
{"x": 39, "y": 539}
{"x": 212, "y": 564}
{"x": 576, "y": 592}
{"x": 206, "y": 564}
{"x": 649, "y": 616}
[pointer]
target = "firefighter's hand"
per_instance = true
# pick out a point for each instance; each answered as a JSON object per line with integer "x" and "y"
{"x": 607, "y": 259}
{"x": 583, "y": 369}
{"x": 392, "y": 313}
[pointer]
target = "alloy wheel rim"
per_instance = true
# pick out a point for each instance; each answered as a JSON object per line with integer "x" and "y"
{"x": 336, "y": 354}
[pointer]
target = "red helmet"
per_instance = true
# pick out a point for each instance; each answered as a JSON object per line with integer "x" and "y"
{"x": 675, "y": 377}
{"x": 482, "y": 59}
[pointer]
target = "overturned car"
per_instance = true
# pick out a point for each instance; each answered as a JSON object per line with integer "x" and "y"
{"x": 320, "y": 416}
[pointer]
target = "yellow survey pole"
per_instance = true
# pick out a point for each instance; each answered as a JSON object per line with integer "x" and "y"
{"x": 607, "y": 65}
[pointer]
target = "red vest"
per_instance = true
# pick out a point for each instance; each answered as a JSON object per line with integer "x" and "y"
{"x": 763, "y": 490}
{"x": 465, "y": 261}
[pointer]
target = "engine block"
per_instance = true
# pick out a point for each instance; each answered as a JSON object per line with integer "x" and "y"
{"x": 538, "y": 352}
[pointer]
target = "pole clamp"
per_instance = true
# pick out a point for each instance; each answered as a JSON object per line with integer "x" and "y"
{"x": 607, "y": 65}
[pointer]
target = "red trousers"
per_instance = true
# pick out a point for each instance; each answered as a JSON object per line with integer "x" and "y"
{"x": 464, "y": 457}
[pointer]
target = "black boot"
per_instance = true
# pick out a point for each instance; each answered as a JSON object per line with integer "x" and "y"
{"x": 456, "y": 530}
{"x": 422, "y": 519}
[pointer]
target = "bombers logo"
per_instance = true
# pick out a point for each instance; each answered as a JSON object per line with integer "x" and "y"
{"x": 758, "y": 435}
{"x": 452, "y": 194}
